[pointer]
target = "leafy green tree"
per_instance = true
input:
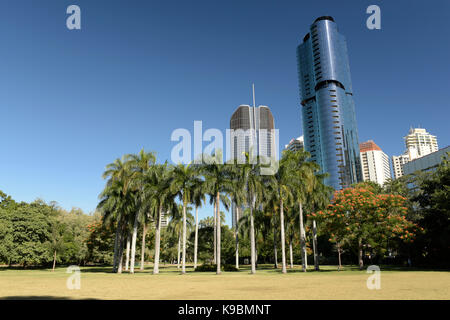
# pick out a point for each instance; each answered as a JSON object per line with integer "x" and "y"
{"x": 101, "y": 242}
{"x": 25, "y": 233}
{"x": 434, "y": 215}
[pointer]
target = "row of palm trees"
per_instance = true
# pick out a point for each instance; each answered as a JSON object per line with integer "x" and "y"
{"x": 139, "y": 191}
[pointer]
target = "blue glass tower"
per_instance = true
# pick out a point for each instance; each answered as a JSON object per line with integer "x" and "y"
{"x": 328, "y": 111}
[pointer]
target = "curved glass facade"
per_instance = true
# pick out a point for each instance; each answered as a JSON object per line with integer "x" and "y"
{"x": 328, "y": 111}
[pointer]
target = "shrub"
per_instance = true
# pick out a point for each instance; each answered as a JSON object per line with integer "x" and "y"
{"x": 213, "y": 268}
{"x": 206, "y": 268}
{"x": 230, "y": 267}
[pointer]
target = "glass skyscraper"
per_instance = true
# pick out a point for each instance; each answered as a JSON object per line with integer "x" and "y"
{"x": 252, "y": 131}
{"x": 328, "y": 111}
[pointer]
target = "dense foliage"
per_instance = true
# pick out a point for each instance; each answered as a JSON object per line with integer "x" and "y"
{"x": 288, "y": 218}
{"x": 39, "y": 234}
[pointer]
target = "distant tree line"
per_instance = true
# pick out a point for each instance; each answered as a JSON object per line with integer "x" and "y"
{"x": 286, "y": 219}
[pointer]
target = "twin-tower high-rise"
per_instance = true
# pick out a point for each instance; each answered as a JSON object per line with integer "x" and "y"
{"x": 328, "y": 111}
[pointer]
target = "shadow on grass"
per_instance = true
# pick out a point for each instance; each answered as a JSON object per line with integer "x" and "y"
{"x": 40, "y": 298}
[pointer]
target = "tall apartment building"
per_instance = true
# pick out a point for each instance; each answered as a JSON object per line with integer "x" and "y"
{"x": 252, "y": 131}
{"x": 328, "y": 111}
{"x": 397, "y": 164}
{"x": 418, "y": 143}
{"x": 374, "y": 163}
{"x": 295, "y": 144}
{"x": 422, "y": 141}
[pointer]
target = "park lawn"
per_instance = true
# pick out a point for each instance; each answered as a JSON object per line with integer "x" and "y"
{"x": 100, "y": 283}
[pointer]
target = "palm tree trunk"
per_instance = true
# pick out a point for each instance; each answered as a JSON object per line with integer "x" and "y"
{"x": 183, "y": 264}
{"x": 252, "y": 240}
{"x": 302, "y": 238}
{"x": 116, "y": 246}
{"x": 275, "y": 254}
{"x": 196, "y": 238}
{"x": 157, "y": 241}
{"x": 316, "y": 251}
{"x": 127, "y": 253}
{"x": 215, "y": 234}
{"x": 236, "y": 237}
{"x": 133, "y": 244}
{"x": 54, "y": 261}
{"x": 121, "y": 246}
{"x": 219, "y": 227}
{"x": 291, "y": 256}
{"x": 179, "y": 251}
{"x": 144, "y": 231}
{"x": 283, "y": 253}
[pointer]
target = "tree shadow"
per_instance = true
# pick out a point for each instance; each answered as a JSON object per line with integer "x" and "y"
{"x": 102, "y": 269}
{"x": 41, "y": 298}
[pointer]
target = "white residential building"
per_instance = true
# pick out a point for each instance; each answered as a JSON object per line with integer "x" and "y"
{"x": 418, "y": 143}
{"x": 422, "y": 141}
{"x": 295, "y": 144}
{"x": 374, "y": 163}
{"x": 397, "y": 164}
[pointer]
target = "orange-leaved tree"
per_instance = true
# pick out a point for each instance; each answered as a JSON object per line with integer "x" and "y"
{"x": 363, "y": 218}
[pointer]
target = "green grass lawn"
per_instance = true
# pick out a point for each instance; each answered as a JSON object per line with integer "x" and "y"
{"x": 268, "y": 283}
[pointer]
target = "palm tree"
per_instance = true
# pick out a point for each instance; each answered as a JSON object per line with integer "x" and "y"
{"x": 198, "y": 198}
{"x": 113, "y": 203}
{"x": 139, "y": 164}
{"x": 127, "y": 254}
{"x": 290, "y": 231}
{"x": 318, "y": 199}
{"x": 304, "y": 179}
{"x": 116, "y": 204}
{"x": 176, "y": 226}
{"x": 185, "y": 181}
{"x": 237, "y": 194}
{"x": 254, "y": 183}
{"x": 245, "y": 226}
{"x": 284, "y": 194}
{"x": 272, "y": 204}
{"x": 217, "y": 180}
{"x": 157, "y": 198}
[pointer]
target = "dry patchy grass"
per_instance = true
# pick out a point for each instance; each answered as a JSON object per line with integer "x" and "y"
{"x": 100, "y": 283}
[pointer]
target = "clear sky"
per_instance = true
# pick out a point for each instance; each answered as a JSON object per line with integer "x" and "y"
{"x": 72, "y": 101}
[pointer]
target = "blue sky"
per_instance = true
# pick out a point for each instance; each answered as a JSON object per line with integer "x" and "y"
{"x": 73, "y": 101}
